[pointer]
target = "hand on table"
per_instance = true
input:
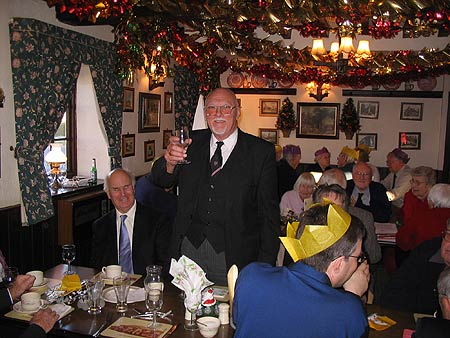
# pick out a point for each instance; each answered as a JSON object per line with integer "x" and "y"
{"x": 45, "y": 318}
{"x": 359, "y": 280}
{"x": 175, "y": 153}
{"x": 20, "y": 285}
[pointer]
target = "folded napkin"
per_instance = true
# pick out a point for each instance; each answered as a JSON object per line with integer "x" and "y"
{"x": 189, "y": 277}
{"x": 70, "y": 283}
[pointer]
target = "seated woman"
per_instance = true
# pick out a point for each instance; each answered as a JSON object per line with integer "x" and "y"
{"x": 294, "y": 199}
{"x": 415, "y": 205}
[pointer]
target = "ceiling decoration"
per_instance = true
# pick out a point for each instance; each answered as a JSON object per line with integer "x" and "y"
{"x": 209, "y": 37}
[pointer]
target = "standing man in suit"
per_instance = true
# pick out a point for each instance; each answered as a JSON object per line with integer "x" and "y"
{"x": 228, "y": 209}
{"x": 368, "y": 195}
{"x": 132, "y": 235}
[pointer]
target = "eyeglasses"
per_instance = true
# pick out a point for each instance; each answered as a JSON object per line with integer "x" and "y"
{"x": 362, "y": 174}
{"x": 415, "y": 182}
{"x": 359, "y": 259}
{"x": 446, "y": 235}
{"x": 225, "y": 110}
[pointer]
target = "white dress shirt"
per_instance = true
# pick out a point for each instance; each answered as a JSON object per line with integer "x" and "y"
{"x": 227, "y": 148}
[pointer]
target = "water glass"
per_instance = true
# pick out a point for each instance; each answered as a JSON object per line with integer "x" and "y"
{"x": 68, "y": 256}
{"x": 94, "y": 289}
{"x": 122, "y": 287}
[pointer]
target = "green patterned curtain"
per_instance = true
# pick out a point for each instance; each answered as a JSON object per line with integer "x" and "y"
{"x": 45, "y": 64}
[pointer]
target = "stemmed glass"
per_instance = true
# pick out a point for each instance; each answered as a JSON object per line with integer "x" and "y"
{"x": 153, "y": 291}
{"x": 94, "y": 289}
{"x": 183, "y": 134}
{"x": 121, "y": 287}
{"x": 10, "y": 275}
{"x": 68, "y": 256}
{"x": 191, "y": 325}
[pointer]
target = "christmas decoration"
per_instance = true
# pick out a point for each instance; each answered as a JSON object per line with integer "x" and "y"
{"x": 349, "y": 121}
{"x": 286, "y": 118}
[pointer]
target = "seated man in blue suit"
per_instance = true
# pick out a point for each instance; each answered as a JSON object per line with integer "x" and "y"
{"x": 368, "y": 195}
{"x": 132, "y": 235}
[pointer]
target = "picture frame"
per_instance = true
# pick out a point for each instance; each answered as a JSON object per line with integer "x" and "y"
{"x": 368, "y": 139}
{"x": 269, "y": 134}
{"x": 149, "y": 113}
{"x": 149, "y": 150}
{"x": 128, "y": 145}
{"x": 411, "y": 111}
{"x": 269, "y": 107}
{"x": 318, "y": 120}
{"x": 166, "y": 135}
{"x": 168, "y": 103}
{"x": 368, "y": 109}
{"x": 128, "y": 99}
{"x": 409, "y": 140}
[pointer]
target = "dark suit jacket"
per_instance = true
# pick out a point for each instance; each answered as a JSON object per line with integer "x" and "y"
{"x": 151, "y": 239}
{"x": 286, "y": 177}
{"x": 380, "y": 207}
{"x": 251, "y": 214}
{"x": 432, "y": 328}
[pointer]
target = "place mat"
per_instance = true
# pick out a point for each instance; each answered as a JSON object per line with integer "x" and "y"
{"x": 128, "y": 327}
{"x": 61, "y": 309}
{"x": 109, "y": 281}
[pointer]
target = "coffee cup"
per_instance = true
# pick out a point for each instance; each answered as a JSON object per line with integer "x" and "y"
{"x": 39, "y": 275}
{"x": 112, "y": 271}
{"x": 30, "y": 301}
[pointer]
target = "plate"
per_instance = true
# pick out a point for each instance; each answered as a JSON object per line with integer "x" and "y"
{"x": 109, "y": 281}
{"x": 258, "y": 81}
{"x": 18, "y": 307}
{"x": 235, "y": 80}
{"x": 135, "y": 294}
{"x": 284, "y": 83}
{"x": 392, "y": 85}
{"x": 427, "y": 83}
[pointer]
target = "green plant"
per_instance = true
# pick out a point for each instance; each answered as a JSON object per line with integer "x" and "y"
{"x": 286, "y": 117}
{"x": 349, "y": 121}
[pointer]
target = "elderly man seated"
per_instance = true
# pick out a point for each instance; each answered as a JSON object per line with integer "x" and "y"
{"x": 368, "y": 195}
{"x": 286, "y": 168}
{"x": 319, "y": 295}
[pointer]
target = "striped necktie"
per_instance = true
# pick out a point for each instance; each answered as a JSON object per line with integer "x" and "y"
{"x": 216, "y": 159}
{"x": 125, "y": 256}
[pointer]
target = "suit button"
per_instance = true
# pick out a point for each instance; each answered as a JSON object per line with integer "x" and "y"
{"x": 209, "y": 199}
{"x": 212, "y": 186}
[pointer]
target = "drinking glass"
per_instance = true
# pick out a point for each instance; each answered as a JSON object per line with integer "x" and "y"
{"x": 10, "y": 275}
{"x": 94, "y": 290}
{"x": 191, "y": 325}
{"x": 154, "y": 300}
{"x": 183, "y": 134}
{"x": 121, "y": 287}
{"x": 68, "y": 256}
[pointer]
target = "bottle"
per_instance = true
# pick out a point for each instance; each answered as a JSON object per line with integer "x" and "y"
{"x": 93, "y": 179}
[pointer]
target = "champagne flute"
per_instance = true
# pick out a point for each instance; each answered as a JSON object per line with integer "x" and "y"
{"x": 68, "y": 256}
{"x": 154, "y": 300}
{"x": 183, "y": 134}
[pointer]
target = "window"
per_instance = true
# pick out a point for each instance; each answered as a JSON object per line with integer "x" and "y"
{"x": 66, "y": 135}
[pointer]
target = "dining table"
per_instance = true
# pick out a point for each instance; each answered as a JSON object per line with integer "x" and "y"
{"x": 80, "y": 323}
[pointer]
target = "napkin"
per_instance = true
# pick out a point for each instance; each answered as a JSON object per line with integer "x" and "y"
{"x": 189, "y": 277}
{"x": 70, "y": 283}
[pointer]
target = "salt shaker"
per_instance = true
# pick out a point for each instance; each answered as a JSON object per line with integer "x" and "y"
{"x": 224, "y": 310}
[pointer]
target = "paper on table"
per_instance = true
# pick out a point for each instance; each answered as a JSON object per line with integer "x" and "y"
{"x": 128, "y": 327}
{"x": 61, "y": 309}
{"x": 189, "y": 277}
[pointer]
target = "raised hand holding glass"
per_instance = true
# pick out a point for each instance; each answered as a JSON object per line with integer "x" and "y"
{"x": 183, "y": 134}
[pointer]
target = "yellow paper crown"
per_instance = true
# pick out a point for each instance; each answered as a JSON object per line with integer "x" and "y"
{"x": 364, "y": 148}
{"x": 316, "y": 238}
{"x": 353, "y": 153}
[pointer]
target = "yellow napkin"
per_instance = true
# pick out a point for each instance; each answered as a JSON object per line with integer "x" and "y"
{"x": 71, "y": 283}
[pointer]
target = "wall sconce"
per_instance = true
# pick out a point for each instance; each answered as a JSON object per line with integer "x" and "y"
{"x": 55, "y": 157}
{"x": 318, "y": 91}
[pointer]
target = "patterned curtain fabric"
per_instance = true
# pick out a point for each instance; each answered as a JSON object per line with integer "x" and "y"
{"x": 45, "y": 64}
{"x": 186, "y": 92}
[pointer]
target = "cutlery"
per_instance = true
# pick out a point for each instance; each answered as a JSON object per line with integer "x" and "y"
{"x": 104, "y": 325}
{"x": 161, "y": 315}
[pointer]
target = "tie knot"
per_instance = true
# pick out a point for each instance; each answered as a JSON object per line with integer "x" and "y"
{"x": 123, "y": 218}
{"x": 219, "y": 144}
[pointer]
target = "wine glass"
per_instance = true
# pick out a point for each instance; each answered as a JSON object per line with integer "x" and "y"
{"x": 183, "y": 134}
{"x": 10, "y": 275}
{"x": 154, "y": 300}
{"x": 68, "y": 256}
{"x": 191, "y": 325}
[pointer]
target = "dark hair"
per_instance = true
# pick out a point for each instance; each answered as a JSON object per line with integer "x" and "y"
{"x": 322, "y": 191}
{"x": 345, "y": 246}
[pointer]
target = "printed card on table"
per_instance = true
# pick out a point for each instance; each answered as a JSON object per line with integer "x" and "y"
{"x": 128, "y": 327}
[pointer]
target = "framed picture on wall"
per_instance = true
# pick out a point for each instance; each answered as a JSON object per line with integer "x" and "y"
{"x": 168, "y": 103}
{"x": 367, "y": 139}
{"x": 409, "y": 140}
{"x": 317, "y": 120}
{"x": 149, "y": 150}
{"x": 368, "y": 109}
{"x": 269, "y": 134}
{"x": 149, "y": 112}
{"x": 128, "y": 99}
{"x": 128, "y": 145}
{"x": 269, "y": 107}
{"x": 411, "y": 111}
{"x": 166, "y": 135}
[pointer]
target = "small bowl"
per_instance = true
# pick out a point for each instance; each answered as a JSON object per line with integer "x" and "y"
{"x": 208, "y": 326}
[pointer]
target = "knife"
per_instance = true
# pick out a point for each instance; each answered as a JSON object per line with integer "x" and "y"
{"x": 104, "y": 325}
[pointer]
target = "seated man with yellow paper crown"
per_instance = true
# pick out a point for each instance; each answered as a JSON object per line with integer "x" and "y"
{"x": 319, "y": 295}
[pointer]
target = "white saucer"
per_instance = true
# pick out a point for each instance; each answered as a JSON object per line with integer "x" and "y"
{"x": 44, "y": 282}
{"x": 135, "y": 294}
{"x": 18, "y": 307}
